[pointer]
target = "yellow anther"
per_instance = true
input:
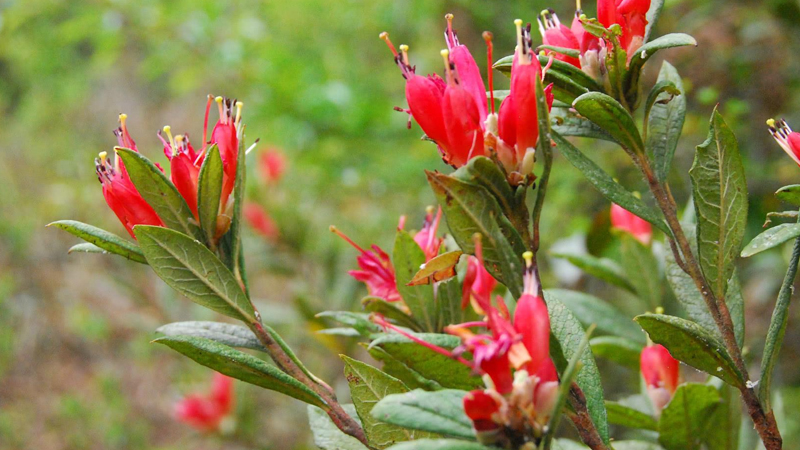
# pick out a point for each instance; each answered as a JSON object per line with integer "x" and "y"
{"x": 103, "y": 156}
{"x": 179, "y": 138}
{"x": 429, "y": 209}
{"x": 520, "y": 47}
{"x": 659, "y": 310}
{"x": 528, "y": 257}
{"x": 771, "y": 123}
{"x": 332, "y": 229}
{"x": 578, "y": 5}
{"x": 123, "y": 117}
{"x": 404, "y": 52}
{"x": 239, "y": 106}
{"x": 403, "y": 47}
{"x": 218, "y": 99}
{"x": 449, "y": 17}
{"x": 384, "y": 35}
{"x": 168, "y": 131}
{"x": 542, "y": 53}
{"x": 446, "y": 58}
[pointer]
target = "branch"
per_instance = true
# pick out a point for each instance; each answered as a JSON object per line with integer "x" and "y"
{"x": 582, "y": 420}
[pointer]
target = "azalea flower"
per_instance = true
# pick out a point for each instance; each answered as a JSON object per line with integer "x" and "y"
{"x": 260, "y": 221}
{"x": 377, "y": 271}
{"x": 207, "y": 412}
{"x": 272, "y": 165}
{"x": 118, "y": 189}
{"x": 426, "y": 238}
{"x": 630, "y": 15}
{"x": 661, "y": 373}
{"x": 624, "y": 220}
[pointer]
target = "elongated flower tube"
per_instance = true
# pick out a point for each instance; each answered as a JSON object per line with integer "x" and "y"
{"x": 788, "y": 140}
{"x": 661, "y": 373}
{"x": 207, "y": 412}
{"x": 118, "y": 189}
{"x": 377, "y": 271}
{"x": 626, "y": 221}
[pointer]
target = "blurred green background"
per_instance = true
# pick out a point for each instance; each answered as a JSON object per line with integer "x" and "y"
{"x": 76, "y": 367}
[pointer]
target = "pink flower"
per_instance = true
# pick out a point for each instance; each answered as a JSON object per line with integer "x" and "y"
{"x": 622, "y": 219}
{"x": 426, "y": 238}
{"x": 272, "y": 164}
{"x": 661, "y": 373}
{"x": 788, "y": 140}
{"x": 377, "y": 271}
{"x": 206, "y": 412}
{"x": 478, "y": 285}
{"x": 118, "y": 189}
{"x": 630, "y": 15}
{"x": 260, "y": 221}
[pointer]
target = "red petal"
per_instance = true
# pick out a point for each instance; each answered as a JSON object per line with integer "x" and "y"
{"x": 533, "y": 323}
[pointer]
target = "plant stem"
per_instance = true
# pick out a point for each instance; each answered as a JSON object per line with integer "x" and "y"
{"x": 764, "y": 422}
{"x": 334, "y": 410}
{"x": 583, "y": 421}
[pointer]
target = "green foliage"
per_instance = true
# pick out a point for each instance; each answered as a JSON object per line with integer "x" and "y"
{"x": 622, "y": 351}
{"x": 720, "y": 200}
{"x": 592, "y": 310}
{"x": 223, "y": 333}
{"x": 209, "y": 190}
{"x": 693, "y": 345}
{"x": 771, "y": 238}
{"x": 643, "y": 270}
{"x": 368, "y": 386}
{"x": 612, "y": 117}
{"x": 619, "y": 414}
{"x": 407, "y": 258}
{"x": 603, "y": 268}
{"x": 102, "y": 239}
{"x": 189, "y": 267}
{"x": 569, "y": 334}
{"x": 665, "y": 121}
{"x": 326, "y": 435}
{"x": 789, "y": 194}
{"x": 439, "y": 412}
{"x": 241, "y": 366}
{"x": 683, "y": 423}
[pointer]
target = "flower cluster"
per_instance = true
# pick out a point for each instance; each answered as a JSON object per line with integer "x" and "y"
{"x": 453, "y": 111}
{"x": 185, "y": 162}
{"x": 512, "y": 355}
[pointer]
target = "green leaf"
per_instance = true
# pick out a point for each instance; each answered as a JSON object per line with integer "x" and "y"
{"x": 159, "y": 192}
{"x": 208, "y": 193}
{"x": 484, "y": 172}
{"x": 440, "y": 444}
{"x": 692, "y": 344}
{"x": 684, "y": 421}
{"x": 568, "y": 334}
{"x": 605, "y": 269}
{"x": 565, "y": 385}
{"x": 612, "y": 117}
{"x": 771, "y": 238}
{"x": 107, "y": 241}
{"x": 189, "y": 267}
{"x": 789, "y": 194}
{"x": 619, "y": 350}
{"x": 368, "y": 386}
{"x": 388, "y": 310}
{"x": 592, "y": 310}
{"x": 646, "y": 51}
{"x": 722, "y": 431}
{"x": 720, "y": 200}
{"x": 439, "y": 412}
{"x": 571, "y": 52}
{"x": 470, "y": 209}
{"x": 777, "y": 328}
{"x": 223, "y": 333}
{"x": 397, "y": 369}
{"x": 407, "y": 259}
{"x": 85, "y": 247}
{"x": 653, "y": 14}
{"x": 619, "y": 414}
{"x": 610, "y": 189}
{"x": 566, "y": 122}
{"x": 359, "y": 321}
{"x": 241, "y": 366}
{"x": 665, "y": 123}
{"x": 326, "y": 435}
{"x": 638, "y": 260}
{"x": 448, "y": 305}
{"x": 430, "y": 365}
{"x": 636, "y": 445}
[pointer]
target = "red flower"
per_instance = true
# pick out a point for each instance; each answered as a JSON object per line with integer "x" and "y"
{"x": 478, "y": 285}
{"x": 630, "y": 15}
{"x": 559, "y": 35}
{"x": 376, "y": 271}
{"x": 272, "y": 164}
{"x": 481, "y": 407}
{"x": 185, "y": 162}
{"x": 661, "y": 373}
{"x": 426, "y": 238}
{"x": 206, "y": 412}
{"x": 118, "y": 189}
{"x": 532, "y": 321}
{"x": 622, "y": 219}
{"x": 260, "y": 221}
{"x": 788, "y": 140}
{"x": 452, "y": 112}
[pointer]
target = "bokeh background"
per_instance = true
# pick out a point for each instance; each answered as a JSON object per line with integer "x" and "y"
{"x": 77, "y": 370}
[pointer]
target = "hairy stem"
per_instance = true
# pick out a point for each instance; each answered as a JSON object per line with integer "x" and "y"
{"x": 334, "y": 410}
{"x": 765, "y": 423}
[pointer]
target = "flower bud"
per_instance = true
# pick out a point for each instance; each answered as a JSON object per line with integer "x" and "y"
{"x": 661, "y": 373}
{"x": 532, "y": 321}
